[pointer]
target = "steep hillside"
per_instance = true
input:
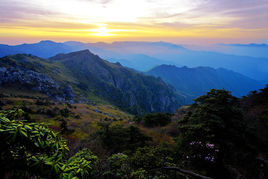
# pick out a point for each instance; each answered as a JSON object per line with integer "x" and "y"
{"x": 31, "y": 73}
{"x": 85, "y": 77}
{"x": 119, "y": 85}
{"x": 194, "y": 82}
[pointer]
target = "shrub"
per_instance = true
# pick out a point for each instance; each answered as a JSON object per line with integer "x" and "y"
{"x": 118, "y": 138}
{"x": 155, "y": 119}
{"x": 33, "y": 150}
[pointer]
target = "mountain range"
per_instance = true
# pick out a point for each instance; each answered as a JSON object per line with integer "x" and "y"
{"x": 194, "y": 82}
{"x": 84, "y": 77}
{"x": 251, "y": 50}
{"x": 143, "y": 56}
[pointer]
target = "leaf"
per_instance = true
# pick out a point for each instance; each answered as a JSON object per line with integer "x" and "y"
{"x": 24, "y": 133}
{"x": 70, "y": 176}
{"x": 29, "y": 127}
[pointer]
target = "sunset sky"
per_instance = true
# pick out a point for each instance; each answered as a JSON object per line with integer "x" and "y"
{"x": 179, "y": 21}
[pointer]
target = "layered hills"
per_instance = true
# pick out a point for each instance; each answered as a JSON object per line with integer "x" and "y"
{"x": 250, "y": 60}
{"x": 194, "y": 82}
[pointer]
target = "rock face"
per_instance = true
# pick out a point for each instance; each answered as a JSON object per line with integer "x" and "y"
{"x": 123, "y": 87}
{"x": 90, "y": 76}
{"x": 34, "y": 81}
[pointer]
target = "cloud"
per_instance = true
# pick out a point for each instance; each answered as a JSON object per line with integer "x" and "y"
{"x": 99, "y": 1}
{"x": 212, "y": 18}
{"x": 232, "y": 13}
{"x": 14, "y": 11}
{"x": 244, "y": 14}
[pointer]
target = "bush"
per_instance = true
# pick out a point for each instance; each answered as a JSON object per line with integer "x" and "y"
{"x": 118, "y": 138}
{"x": 155, "y": 119}
{"x": 33, "y": 150}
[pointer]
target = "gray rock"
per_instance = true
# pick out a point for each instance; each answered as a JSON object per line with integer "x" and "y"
{"x": 35, "y": 81}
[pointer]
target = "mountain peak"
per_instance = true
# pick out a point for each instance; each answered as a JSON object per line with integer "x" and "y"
{"x": 82, "y": 55}
{"x": 47, "y": 42}
{"x": 84, "y": 52}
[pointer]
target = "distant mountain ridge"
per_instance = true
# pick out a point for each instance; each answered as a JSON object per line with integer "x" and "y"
{"x": 87, "y": 77}
{"x": 142, "y": 56}
{"x": 247, "y": 45}
{"x": 194, "y": 82}
{"x": 44, "y": 49}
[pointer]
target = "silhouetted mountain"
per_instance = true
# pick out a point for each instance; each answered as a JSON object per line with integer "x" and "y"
{"x": 146, "y": 55}
{"x": 42, "y": 49}
{"x": 247, "y": 45}
{"x": 250, "y": 50}
{"x": 194, "y": 82}
{"x": 85, "y": 76}
{"x": 134, "y": 61}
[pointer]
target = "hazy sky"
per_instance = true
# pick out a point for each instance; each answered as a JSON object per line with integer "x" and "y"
{"x": 180, "y": 21}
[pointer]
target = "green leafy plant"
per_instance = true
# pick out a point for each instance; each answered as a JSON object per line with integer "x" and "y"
{"x": 32, "y": 149}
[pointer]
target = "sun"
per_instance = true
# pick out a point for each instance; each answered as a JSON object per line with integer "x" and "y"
{"x": 102, "y": 31}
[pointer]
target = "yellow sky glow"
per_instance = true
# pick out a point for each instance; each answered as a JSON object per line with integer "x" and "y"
{"x": 109, "y": 20}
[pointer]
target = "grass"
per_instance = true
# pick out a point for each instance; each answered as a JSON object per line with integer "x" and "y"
{"x": 82, "y": 120}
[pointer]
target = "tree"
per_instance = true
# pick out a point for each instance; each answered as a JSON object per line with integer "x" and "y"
{"x": 118, "y": 138}
{"x": 118, "y": 166}
{"x": 213, "y": 134}
{"x": 154, "y": 119}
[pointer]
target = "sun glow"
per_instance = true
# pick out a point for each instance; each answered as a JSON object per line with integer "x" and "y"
{"x": 102, "y": 31}
{"x": 113, "y": 20}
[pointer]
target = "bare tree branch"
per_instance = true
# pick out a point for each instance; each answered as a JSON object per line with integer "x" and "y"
{"x": 186, "y": 172}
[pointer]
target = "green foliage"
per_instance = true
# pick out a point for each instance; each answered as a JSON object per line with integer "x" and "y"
{"x": 256, "y": 115}
{"x": 154, "y": 119}
{"x": 32, "y": 149}
{"x": 212, "y": 140}
{"x": 118, "y": 166}
{"x": 213, "y": 134}
{"x": 80, "y": 165}
{"x": 146, "y": 162}
{"x": 118, "y": 138}
{"x": 150, "y": 157}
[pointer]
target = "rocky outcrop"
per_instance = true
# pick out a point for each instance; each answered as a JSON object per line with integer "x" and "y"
{"x": 91, "y": 78}
{"x": 123, "y": 87}
{"x": 34, "y": 81}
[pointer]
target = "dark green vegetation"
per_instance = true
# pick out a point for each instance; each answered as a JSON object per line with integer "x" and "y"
{"x": 127, "y": 139}
{"x": 58, "y": 120}
{"x": 31, "y": 149}
{"x": 84, "y": 77}
{"x": 154, "y": 119}
{"x": 193, "y": 82}
{"x": 219, "y": 136}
